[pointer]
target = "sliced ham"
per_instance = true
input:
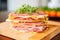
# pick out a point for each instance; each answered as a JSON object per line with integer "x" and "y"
{"x": 28, "y": 23}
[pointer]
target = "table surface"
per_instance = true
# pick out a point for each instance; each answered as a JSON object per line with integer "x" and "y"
{"x": 53, "y": 30}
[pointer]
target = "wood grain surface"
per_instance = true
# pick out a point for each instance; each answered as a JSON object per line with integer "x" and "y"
{"x": 53, "y": 29}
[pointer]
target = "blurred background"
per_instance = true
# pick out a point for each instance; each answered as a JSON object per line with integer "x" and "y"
{"x": 51, "y": 7}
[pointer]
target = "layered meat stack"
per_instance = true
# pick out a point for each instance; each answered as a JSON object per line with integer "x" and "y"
{"x": 28, "y": 23}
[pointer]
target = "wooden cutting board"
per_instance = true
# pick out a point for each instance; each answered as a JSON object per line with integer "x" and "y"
{"x": 53, "y": 29}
